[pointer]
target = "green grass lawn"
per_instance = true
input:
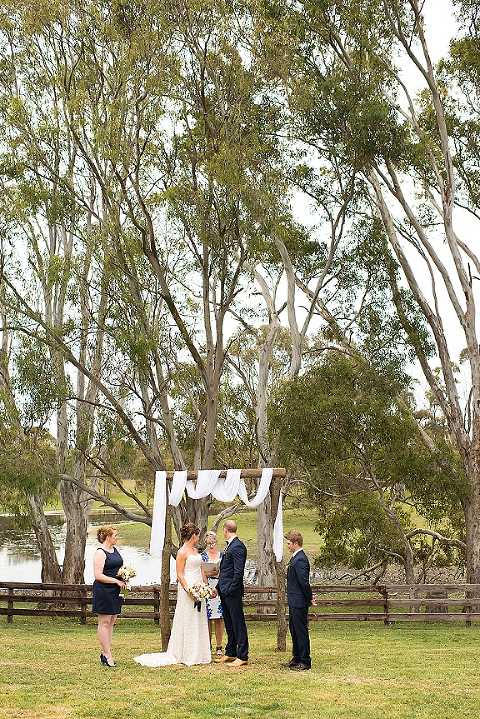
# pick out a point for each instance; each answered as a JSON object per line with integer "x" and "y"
{"x": 138, "y": 534}
{"x": 49, "y": 669}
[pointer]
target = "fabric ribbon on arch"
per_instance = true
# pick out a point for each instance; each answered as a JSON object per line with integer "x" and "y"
{"x": 222, "y": 489}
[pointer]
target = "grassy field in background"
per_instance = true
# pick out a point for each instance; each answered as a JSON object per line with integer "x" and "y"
{"x": 49, "y": 670}
{"x": 302, "y": 519}
{"x": 138, "y": 535}
{"x": 115, "y": 495}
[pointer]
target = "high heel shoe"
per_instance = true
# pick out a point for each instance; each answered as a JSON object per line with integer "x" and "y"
{"x": 107, "y": 663}
{"x": 103, "y": 659}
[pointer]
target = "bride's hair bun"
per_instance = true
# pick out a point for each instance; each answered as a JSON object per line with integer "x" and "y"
{"x": 188, "y": 530}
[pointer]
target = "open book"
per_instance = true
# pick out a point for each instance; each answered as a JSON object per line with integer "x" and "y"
{"x": 211, "y": 568}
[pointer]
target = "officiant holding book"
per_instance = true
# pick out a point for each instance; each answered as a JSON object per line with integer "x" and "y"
{"x": 212, "y": 558}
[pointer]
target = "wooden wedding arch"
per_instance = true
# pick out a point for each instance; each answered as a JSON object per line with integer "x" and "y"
{"x": 278, "y": 475}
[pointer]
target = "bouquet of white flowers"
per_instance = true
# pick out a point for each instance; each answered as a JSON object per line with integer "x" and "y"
{"x": 126, "y": 574}
{"x": 201, "y": 591}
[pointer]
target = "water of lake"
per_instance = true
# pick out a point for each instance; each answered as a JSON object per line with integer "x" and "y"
{"x": 20, "y": 559}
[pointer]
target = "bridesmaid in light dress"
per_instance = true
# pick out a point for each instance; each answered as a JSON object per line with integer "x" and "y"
{"x": 214, "y": 606}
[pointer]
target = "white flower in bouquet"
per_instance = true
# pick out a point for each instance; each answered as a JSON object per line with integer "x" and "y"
{"x": 200, "y": 591}
{"x": 126, "y": 574}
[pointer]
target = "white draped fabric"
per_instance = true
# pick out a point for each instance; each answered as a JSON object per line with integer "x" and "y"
{"x": 157, "y": 535}
{"x": 227, "y": 490}
{"x": 278, "y": 531}
{"x": 263, "y": 489}
{"x": 206, "y": 481}
{"x": 224, "y": 490}
{"x": 178, "y": 487}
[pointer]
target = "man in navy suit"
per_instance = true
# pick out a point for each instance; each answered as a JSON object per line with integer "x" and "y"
{"x": 230, "y": 589}
{"x": 299, "y": 595}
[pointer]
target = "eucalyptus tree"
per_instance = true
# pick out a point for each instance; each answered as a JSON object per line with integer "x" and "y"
{"x": 352, "y": 73}
{"x": 52, "y": 232}
{"x": 364, "y": 466}
{"x": 169, "y": 168}
{"x": 27, "y": 468}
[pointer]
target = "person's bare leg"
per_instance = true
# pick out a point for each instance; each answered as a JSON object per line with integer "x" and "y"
{"x": 113, "y": 619}
{"x": 219, "y": 631}
{"x": 103, "y": 633}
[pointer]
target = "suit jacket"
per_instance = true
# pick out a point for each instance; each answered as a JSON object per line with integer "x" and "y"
{"x": 299, "y": 591}
{"x": 232, "y": 566}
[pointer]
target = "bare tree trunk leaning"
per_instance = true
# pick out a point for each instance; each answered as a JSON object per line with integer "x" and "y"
{"x": 51, "y": 572}
{"x": 165, "y": 582}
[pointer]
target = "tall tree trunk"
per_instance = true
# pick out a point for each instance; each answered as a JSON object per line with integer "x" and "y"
{"x": 266, "y": 575}
{"x": 409, "y": 563}
{"x": 472, "y": 521}
{"x": 51, "y": 572}
{"x": 73, "y": 499}
{"x": 165, "y": 582}
{"x": 409, "y": 568}
{"x": 74, "y": 504}
{"x": 197, "y": 512}
{"x": 266, "y": 571}
{"x": 211, "y": 425}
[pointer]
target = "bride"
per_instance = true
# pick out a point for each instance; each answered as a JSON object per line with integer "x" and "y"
{"x": 189, "y": 640}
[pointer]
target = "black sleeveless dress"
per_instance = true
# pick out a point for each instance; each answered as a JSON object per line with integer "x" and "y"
{"x": 106, "y": 597}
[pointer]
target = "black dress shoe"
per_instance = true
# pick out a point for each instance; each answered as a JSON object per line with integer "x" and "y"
{"x": 290, "y": 664}
{"x": 300, "y": 667}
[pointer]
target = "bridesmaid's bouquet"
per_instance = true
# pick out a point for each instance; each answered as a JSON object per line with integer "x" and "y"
{"x": 201, "y": 591}
{"x": 126, "y": 574}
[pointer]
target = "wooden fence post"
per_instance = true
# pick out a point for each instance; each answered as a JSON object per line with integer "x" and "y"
{"x": 10, "y": 606}
{"x": 84, "y": 602}
{"x": 467, "y": 608}
{"x": 156, "y": 606}
{"x": 384, "y": 592}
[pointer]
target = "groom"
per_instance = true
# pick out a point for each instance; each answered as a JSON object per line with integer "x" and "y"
{"x": 230, "y": 590}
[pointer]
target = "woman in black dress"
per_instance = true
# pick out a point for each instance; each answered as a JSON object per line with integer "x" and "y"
{"x": 107, "y": 602}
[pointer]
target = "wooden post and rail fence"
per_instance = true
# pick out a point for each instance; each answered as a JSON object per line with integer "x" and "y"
{"x": 384, "y": 603}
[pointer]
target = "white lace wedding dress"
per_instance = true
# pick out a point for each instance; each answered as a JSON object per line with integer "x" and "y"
{"x": 189, "y": 640}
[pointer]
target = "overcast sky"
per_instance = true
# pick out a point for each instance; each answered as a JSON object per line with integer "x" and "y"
{"x": 440, "y": 25}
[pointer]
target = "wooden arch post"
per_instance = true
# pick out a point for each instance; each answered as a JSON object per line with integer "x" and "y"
{"x": 165, "y": 580}
{"x": 278, "y": 475}
{"x": 275, "y": 492}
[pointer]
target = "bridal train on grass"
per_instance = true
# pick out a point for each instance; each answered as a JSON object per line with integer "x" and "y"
{"x": 189, "y": 640}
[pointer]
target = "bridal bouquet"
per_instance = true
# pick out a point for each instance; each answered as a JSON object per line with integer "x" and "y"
{"x": 201, "y": 591}
{"x": 126, "y": 574}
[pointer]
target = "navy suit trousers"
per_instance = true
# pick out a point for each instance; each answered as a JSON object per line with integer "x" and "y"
{"x": 298, "y": 625}
{"x": 236, "y": 628}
